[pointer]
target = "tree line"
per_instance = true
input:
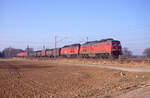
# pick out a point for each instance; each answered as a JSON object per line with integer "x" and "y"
{"x": 12, "y": 52}
{"x": 147, "y": 52}
{"x": 128, "y": 53}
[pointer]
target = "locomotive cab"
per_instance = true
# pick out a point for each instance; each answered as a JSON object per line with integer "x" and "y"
{"x": 116, "y": 48}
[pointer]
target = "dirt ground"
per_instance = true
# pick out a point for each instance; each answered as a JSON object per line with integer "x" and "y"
{"x": 39, "y": 79}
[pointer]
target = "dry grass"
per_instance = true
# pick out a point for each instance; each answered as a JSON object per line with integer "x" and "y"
{"x": 132, "y": 62}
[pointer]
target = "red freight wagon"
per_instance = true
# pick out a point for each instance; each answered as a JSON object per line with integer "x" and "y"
{"x": 22, "y": 54}
{"x": 43, "y": 53}
{"x": 70, "y": 50}
{"x": 103, "y": 48}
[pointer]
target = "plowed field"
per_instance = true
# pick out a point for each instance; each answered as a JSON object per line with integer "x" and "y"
{"x": 39, "y": 79}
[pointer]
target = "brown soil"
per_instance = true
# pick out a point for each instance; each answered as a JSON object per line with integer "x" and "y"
{"x": 40, "y": 79}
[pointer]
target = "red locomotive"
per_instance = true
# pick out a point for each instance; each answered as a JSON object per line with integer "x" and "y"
{"x": 70, "y": 50}
{"x": 103, "y": 48}
{"x": 100, "y": 49}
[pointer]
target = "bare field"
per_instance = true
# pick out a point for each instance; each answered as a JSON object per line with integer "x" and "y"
{"x": 42, "y": 79}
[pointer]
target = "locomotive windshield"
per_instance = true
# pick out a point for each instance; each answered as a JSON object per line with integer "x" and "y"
{"x": 116, "y": 44}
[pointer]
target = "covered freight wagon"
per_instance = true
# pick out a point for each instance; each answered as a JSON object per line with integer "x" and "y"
{"x": 52, "y": 52}
{"x": 38, "y": 53}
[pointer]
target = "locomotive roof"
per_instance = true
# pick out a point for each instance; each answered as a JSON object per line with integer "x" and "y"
{"x": 100, "y": 41}
{"x": 71, "y": 45}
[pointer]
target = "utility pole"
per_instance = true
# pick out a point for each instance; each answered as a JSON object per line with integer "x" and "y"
{"x": 87, "y": 39}
{"x": 27, "y": 50}
{"x": 55, "y": 45}
{"x": 9, "y": 52}
{"x": 43, "y": 47}
{"x": 55, "y": 41}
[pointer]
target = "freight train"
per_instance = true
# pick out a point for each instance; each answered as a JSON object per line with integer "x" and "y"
{"x": 106, "y": 48}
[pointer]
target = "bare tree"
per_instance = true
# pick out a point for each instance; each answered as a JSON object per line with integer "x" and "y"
{"x": 1, "y": 54}
{"x": 11, "y": 52}
{"x": 147, "y": 52}
{"x": 127, "y": 52}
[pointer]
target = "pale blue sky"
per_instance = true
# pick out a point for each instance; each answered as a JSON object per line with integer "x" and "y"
{"x": 34, "y": 22}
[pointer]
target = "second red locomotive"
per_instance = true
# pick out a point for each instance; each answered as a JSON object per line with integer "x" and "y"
{"x": 70, "y": 50}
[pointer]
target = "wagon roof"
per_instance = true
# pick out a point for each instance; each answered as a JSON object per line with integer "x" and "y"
{"x": 38, "y": 51}
{"x": 52, "y": 49}
{"x": 48, "y": 49}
